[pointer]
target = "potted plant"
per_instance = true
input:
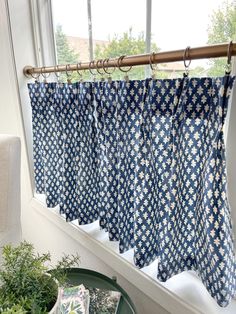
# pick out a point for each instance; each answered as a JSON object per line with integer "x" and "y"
{"x": 27, "y": 282}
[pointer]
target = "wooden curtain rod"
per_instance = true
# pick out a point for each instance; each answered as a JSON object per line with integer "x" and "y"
{"x": 205, "y": 52}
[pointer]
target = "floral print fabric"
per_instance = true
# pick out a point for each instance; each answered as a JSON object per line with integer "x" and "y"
{"x": 146, "y": 158}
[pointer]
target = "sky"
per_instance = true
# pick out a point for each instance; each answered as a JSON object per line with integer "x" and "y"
{"x": 176, "y": 24}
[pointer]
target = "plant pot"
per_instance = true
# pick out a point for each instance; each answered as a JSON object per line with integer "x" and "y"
{"x": 55, "y": 309}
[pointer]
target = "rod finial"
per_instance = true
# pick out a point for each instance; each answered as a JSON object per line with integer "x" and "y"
{"x": 27, "y": 70}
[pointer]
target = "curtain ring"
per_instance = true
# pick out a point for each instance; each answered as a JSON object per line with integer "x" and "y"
{"x": 67, "y": 71}
{"x": 97, "y": 69}
{"x": 90, "y": 70}
{"x": 105, "y": 68}
{"x": 44, "y": 75}
{"x": 55, "y": 72}
{"x": 151, "y": 59}
{"x": 36, "y": 76}
{"x": 119, "y": 64}
{"x": 229, "y": 56}
{"x": 186, "y": 56}
{"x": 77, "y": 69}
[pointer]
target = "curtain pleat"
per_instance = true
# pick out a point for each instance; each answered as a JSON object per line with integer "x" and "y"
{"x": 147, "y": 159}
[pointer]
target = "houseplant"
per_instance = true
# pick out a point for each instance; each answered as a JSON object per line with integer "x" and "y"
{"x": 27, "y": 283}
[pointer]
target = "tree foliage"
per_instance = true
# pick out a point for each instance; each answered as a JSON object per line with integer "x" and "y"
{"x": 222, "y": 29}
{"x": 65, "y": 55}
{"x": 125, "y": 44}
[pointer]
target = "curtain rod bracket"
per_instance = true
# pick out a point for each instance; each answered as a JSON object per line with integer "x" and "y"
{"x": 28, "y": 71}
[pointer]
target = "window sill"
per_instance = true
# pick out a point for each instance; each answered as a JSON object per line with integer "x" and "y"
{"x": 183, "y": 293}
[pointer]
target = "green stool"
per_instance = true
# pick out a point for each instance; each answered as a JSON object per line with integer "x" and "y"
{"x": 93, "y": 279}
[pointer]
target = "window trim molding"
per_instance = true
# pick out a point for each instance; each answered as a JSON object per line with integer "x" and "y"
{"x": 43, "y": 29}
{"x": 148, "y": 30}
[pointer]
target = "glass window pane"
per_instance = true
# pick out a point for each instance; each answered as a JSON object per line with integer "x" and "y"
{"x": 71, "y": 15}
{"x": 178, "y": 24}
{"x": 118, "y": 28}
{"x": 117, "y": 31}
{"x": 71, "y": 32}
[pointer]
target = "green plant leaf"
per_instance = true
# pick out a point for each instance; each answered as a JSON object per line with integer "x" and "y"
{"x": 25, "y": 281}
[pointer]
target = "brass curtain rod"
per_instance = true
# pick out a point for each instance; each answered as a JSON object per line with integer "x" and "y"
{"x": 205, "y": 52}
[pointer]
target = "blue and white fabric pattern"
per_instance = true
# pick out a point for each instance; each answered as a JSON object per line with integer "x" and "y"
{"x": 146, "y": 158}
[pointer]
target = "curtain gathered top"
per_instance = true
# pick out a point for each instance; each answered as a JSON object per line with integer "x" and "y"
{"x": 147, "y": 159}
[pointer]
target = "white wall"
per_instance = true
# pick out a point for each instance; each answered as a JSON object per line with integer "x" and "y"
{"x": 36, "y": 229}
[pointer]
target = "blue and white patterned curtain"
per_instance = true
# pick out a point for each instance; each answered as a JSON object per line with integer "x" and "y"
{"x": 147, "y": 159}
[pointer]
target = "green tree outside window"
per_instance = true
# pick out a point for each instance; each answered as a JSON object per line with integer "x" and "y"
{"x": 65, "y": 54}
{"x": 222, "y": 29}
{"x": 125, "y": 44}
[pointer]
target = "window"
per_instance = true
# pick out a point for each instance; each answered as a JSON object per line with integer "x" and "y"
{"x": 113, "y": 31}
{"x": 194, "y": 24}
{"x": 178, "y": 34}
{"x": 109, "y": 30}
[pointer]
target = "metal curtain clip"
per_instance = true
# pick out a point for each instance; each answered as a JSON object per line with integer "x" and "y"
{"x": 68, "y": 75}
{"x": 151, "y": 63}
{"x": 44, "y": 75}
{"x": 228, "y": 65}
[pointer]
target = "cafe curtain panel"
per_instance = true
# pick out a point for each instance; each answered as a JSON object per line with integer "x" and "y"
{"x": 146, "y": 158}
